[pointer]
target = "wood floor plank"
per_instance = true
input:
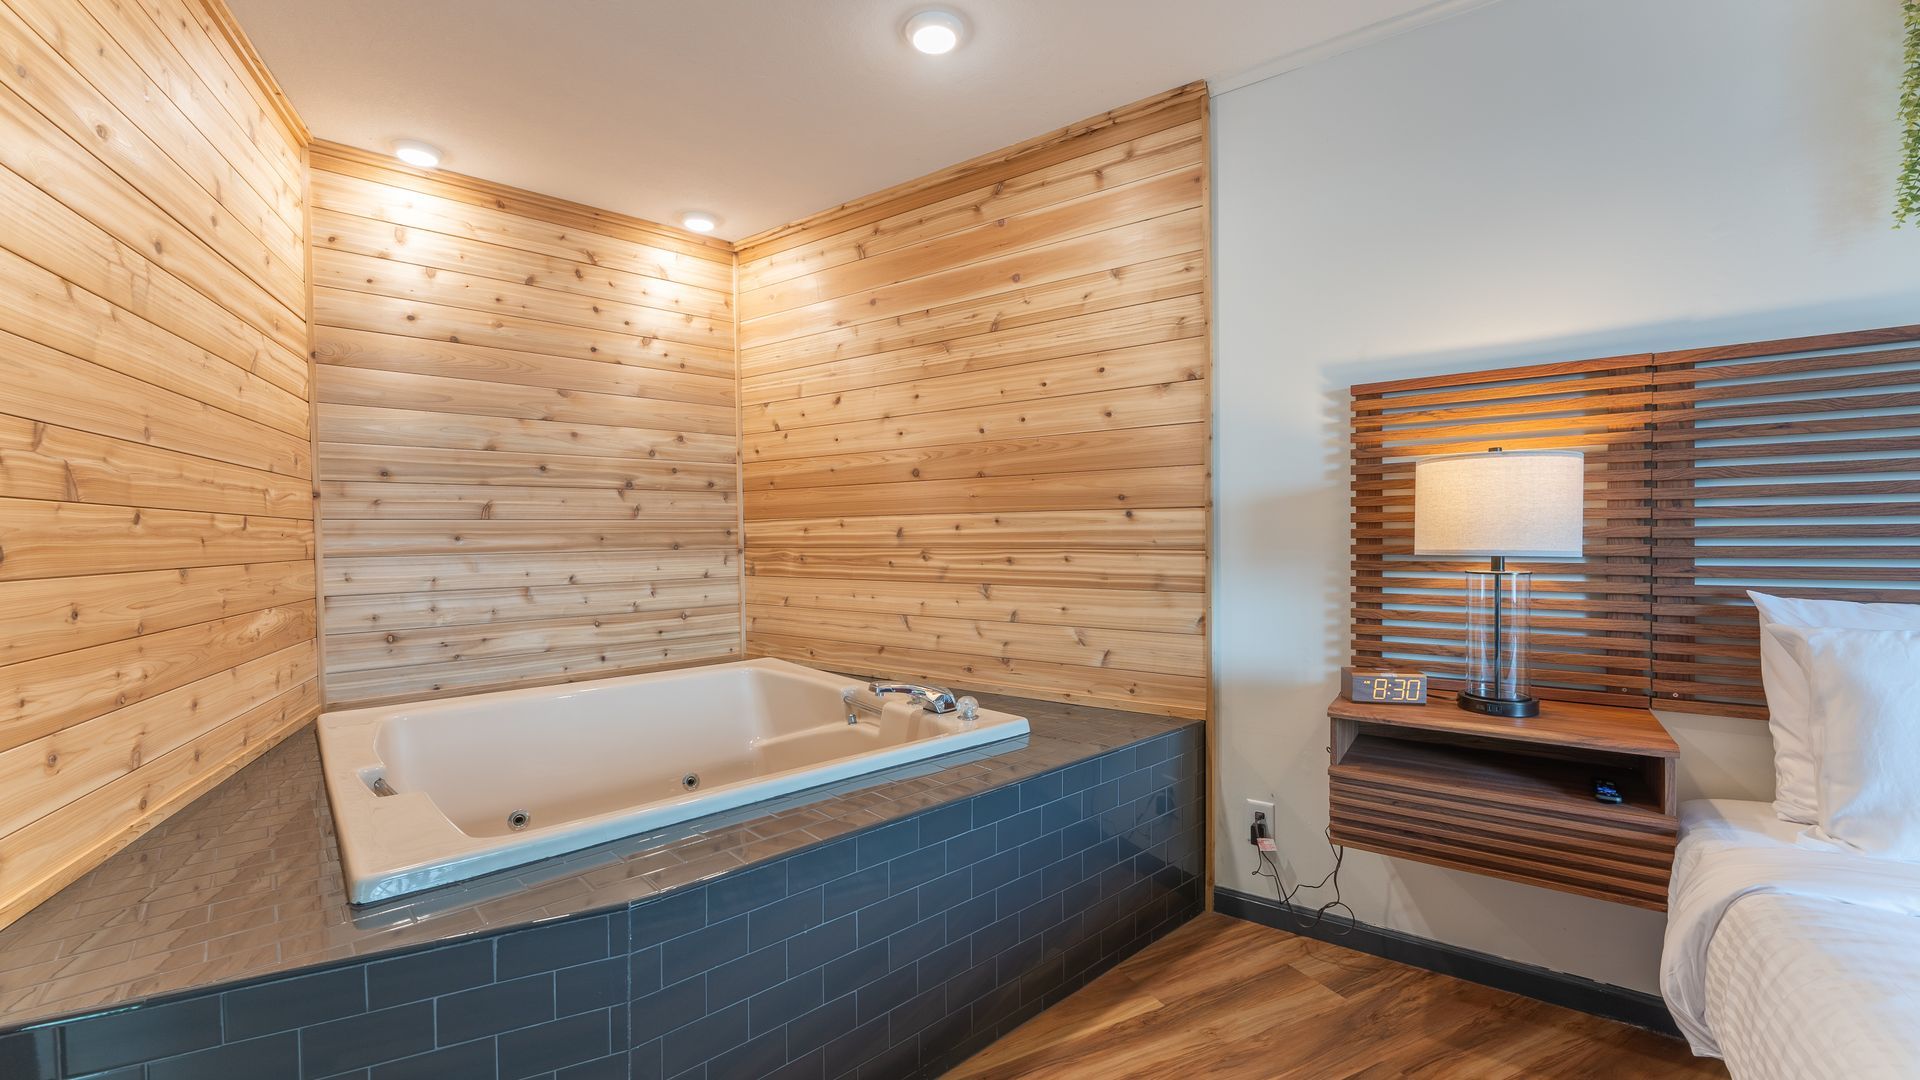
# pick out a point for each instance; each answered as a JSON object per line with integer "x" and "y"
{"x": 1231, "y": 1000}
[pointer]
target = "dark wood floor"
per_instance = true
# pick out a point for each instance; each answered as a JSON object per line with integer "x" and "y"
{"x": 1225, "y": 998}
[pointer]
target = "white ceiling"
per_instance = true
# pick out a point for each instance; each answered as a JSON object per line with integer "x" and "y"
{"x": 760, "y": 111}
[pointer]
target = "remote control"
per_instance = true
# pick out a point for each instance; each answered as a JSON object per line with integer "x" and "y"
{"x": 1605, "y": 791}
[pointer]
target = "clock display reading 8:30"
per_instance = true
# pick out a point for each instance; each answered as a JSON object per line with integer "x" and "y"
{"x": 1385, "y": 687}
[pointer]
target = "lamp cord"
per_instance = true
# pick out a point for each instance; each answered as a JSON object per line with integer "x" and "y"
{"x": 1269, "y": 867}
{"x": 1499, "y": 572}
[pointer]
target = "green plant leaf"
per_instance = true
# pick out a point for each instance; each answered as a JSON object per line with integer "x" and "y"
{"x": 1906, "y": 192}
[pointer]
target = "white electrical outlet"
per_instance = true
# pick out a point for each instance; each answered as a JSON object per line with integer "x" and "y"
{"x": 1258, "y": 806}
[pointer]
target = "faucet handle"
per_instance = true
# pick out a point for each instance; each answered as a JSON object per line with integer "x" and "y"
{"x": 969, "y": 709}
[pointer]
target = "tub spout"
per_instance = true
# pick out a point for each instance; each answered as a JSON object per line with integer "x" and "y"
{"x": 931, "y": 698}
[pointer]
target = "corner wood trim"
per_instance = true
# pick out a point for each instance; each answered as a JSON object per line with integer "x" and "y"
{"x": 1553, "y": 987}
{"x": 242, "y": 45}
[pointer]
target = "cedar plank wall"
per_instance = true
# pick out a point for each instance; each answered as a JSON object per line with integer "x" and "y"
{"x": 975, "y": 421}
{"x": 528, "y": 436}
{"x": 156, "y": 536}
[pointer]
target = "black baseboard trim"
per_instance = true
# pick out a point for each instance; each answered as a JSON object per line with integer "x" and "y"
{"x": 1553, "y": 987}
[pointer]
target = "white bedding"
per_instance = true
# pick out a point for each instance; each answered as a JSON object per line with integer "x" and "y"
{"x": 1790, "y": 959}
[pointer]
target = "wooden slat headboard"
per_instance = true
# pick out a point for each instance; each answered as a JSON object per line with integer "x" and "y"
{"x": 1789, "y": 466}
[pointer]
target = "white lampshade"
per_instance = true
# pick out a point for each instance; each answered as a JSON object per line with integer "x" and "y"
{"x": 1517, "y": 503}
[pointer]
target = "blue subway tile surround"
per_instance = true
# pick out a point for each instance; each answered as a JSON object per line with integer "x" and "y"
{"x": 895, "y": 950}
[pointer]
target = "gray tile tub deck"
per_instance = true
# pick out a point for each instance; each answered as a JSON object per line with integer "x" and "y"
{"x": 877, "y": 927}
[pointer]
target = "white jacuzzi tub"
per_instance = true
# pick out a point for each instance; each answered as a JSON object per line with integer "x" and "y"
{"x": 490, "y": 781}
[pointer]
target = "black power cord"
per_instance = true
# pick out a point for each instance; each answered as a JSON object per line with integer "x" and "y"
{"x": 1269, "y": 867}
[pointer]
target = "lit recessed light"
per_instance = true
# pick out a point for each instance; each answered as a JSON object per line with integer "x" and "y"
{"x": 416, "y": 153}
{"x": 935, "y": 32}
{"x": 698, "y": 222}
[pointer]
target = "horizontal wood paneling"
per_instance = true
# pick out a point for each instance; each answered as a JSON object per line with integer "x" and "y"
{"x": 481, "y": 209}
{"x": 55, "y": 692}
{"x": 437, "y": 465}
{"x": 436, "y": 251}
{"x": 384, "y": 275}
{"x": 45, "y": 616}
{"x": 441, "y": 575}
{"x": 139, "y": 133}
{"x": 1116, "y": 127}
{"x": 41, "y": 461}
{"x": 412, "y": 682}
{"x": 478, "y": 502}
{"x": 1149, "y": 154}
{"x": 1783, "y": 466}
{"x": 1138, "y": 691}
{"x": 1144, "y": 240}
{"x": 88, "y": 755}
{"x": 465, "y": 607}
{"x": 70, "y": 841}
{"x": 157, "y": 583}
{"x": 415, "y": 536}
{"x": 1590, "y": 640}
{"x": 1101, "y": 291}
{"x": 59, "y": 388}
{"x": 975, "y": 418}
{"x": 345, "y": 349}
{"x": 528, "y": 438}
{"x": 71, "y": 539}
{"x": 1116, "y": 609}
{"x": 352, "y": 310}
{"x": 1485, "y": 794}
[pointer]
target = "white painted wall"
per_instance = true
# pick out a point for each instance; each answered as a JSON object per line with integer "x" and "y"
{"x": 1531, "y": 181}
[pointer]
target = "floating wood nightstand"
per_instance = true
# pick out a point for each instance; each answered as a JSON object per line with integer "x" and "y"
{"x": 1511, "y": 798}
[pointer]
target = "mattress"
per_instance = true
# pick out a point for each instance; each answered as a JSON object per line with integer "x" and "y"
{"x": 1787, "y": 957}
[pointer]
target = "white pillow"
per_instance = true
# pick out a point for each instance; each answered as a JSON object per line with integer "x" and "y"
{"x": 1786, "y": 686}
{"x": 1864, "y": 693}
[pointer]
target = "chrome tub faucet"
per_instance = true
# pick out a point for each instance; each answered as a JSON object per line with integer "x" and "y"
{"x": 931, "y": 698}
{"x": 934, "y": 699}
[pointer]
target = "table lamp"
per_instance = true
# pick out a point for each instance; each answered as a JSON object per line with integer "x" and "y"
{"x": 1524, "y": 504}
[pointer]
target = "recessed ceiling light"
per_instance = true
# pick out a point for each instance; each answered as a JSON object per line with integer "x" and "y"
{"x": 416, "y": 153}
{"x": 699, "y": 222}
{"x": 934, "y": 32}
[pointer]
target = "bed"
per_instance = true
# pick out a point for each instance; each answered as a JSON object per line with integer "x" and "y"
{"x": 1789, "y": 958}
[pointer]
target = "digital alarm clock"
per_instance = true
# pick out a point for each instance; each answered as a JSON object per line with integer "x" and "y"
{"x": 1384, "y": 687}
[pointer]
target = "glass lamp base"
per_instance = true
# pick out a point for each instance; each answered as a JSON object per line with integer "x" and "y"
{"x": 1520, "y": 707}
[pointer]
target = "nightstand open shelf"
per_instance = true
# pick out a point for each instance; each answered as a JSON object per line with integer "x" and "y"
{"x": 1510, "y": 798}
